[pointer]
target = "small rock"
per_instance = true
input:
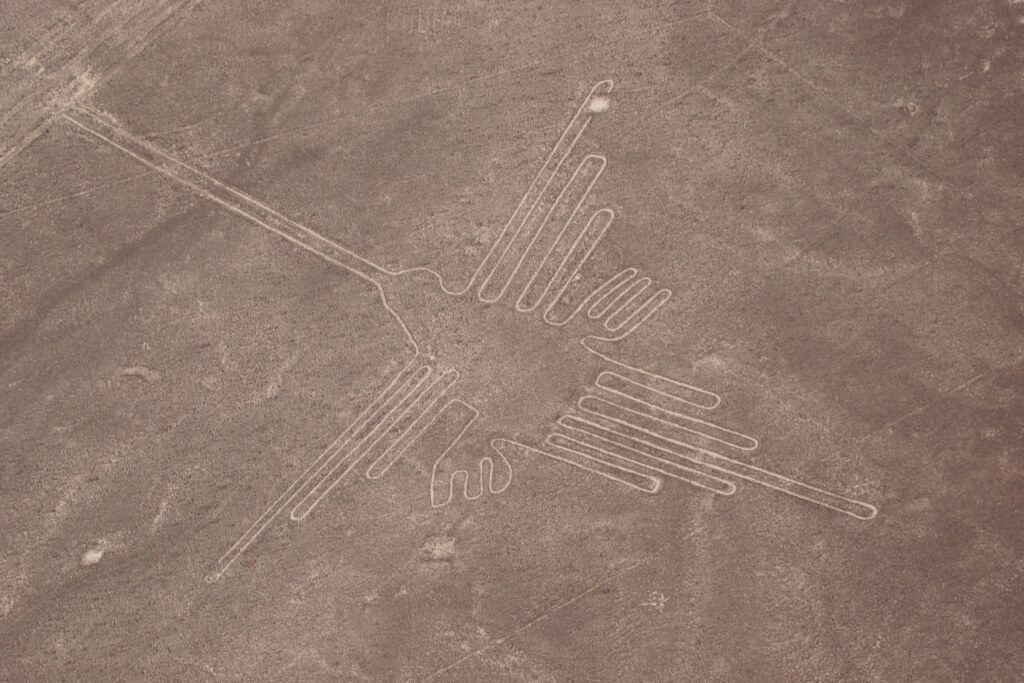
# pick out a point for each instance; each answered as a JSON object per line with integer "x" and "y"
{"x": 139, "y": 371}
{"x": 438, "y": 549}
{"x": 599, "y": 105}
{"x": 92, "y": 556}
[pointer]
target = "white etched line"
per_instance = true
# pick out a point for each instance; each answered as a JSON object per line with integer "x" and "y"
{"x": 607, "y": 289}
{"x": 140, "y": 39}
{"x": 522, "y": 243}
{"x": 603, "y": 301}
{"x": 653, "y": 415}
{"x": 410, "y": 406}
{"x": 239, "y": 203}
{"x": 420, "y": 419}
{"x": 496, "y": 278}
{"x": 553, "y": 263}
{"x": 666, "y": 426}
{"x": 411, "y": 410}
{"x": 464, "y": 474}
{"x": 228, "y": 197}
{"x": 646, "y": 393}
{"x": 599, "y": 447}
{"x": 58, "y": 77}
{"x": 577, "y": 255}
{"x": 626, "y": 304}
{"x": 370, "y": 426}
{"x": 729, "y": 466}
{"x": 139, "y": 19}
{"x": 622, "y": 475}
{"x": 680, "y": 391}
{"x": 620, "y": 298}
{"x": 44, "y": 110}
{"x": 442, "y": 476}
{"x": 257, "y": 527}
{"x": 642, "y": 314}
{"x": 74, "y": 195}
{"x": 89, "y": 56}
{"x": 136, "y": 15}
{"x": 55, "y": 36}
{"x": 601, "y": 298}
{"x": 556, "y": 157}
{"x": 606, "y": 430}
{"x": 588, "y": 172}
{"x": 337, "y": 471}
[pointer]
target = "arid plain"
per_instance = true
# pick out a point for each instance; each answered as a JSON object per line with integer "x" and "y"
{"x": 512, "y": 341}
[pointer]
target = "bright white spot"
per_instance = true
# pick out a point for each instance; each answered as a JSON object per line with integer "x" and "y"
{"x": 599, "y": 105}
{"x": 657, "y": 601}
{"x": 438, "y": 548}
{"x": 92, "y": 556}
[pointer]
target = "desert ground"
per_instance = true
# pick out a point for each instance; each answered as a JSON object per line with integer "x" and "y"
{"x": 547, "y": 341}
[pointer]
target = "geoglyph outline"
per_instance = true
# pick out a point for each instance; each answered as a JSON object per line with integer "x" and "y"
{"x": 628, "y": 433}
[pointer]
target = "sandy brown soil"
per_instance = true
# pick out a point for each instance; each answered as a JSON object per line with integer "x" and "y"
{"x": 830, "y": 191}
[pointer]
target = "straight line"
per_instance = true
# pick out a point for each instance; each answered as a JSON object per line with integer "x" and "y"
{"x": 539, "y": 618}
{"x": 384, "y": 105}
{"x": 240, "y": 204}
{"x": 101, "y": 46}
{"x": 88, "y": 190}
{"x": 230, "y": 198}
{"x": 544, "y": 615}
{"x": 758, "y": 44}
{"x": 929, "y": 404}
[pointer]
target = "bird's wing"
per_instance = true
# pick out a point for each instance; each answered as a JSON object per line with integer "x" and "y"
{"x": 395, "y": 418}
{"x": 537, "y": 257}
{"x": 638, "y": 428}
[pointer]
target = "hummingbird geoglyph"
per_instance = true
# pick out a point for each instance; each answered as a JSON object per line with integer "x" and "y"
{"x": 520, "y": 360}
